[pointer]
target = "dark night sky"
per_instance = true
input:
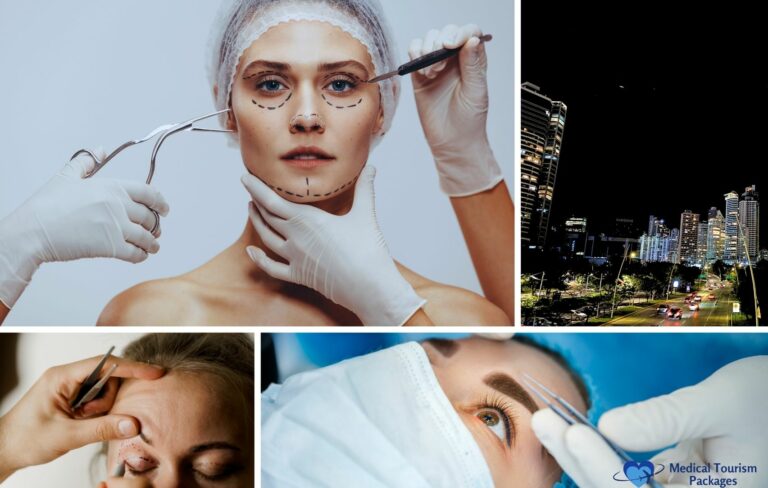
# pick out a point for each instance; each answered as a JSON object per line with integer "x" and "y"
{"x": 689, "y": 123}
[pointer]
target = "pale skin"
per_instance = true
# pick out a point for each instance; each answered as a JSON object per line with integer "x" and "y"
{"x": 194, "y": 434}
{"x": 461, "y": 367}
{"x": 231, "y": 289}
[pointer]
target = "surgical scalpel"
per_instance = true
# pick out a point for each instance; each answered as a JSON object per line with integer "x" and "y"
{"x": 165, "y": 131}
{"x": 571, "y": 416}
{"x": 424, "y": 61}
{"x": 93, "y": 385}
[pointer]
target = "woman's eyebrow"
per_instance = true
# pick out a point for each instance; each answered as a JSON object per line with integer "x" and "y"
{"x": 343, "y": 64}
{"x": 214, "y": 445}
{"x": 506, "y": 385}
{"x": 446, "y": 347}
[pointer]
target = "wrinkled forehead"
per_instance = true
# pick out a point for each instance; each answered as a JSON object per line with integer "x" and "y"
{"x": 182, "y": 408}
{"x": 305, "y": 44}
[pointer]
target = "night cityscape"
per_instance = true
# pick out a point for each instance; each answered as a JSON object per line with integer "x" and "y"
{"x": 638, "y": 204}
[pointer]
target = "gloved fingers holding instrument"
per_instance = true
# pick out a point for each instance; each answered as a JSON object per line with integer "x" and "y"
{"x": 720, "y": 420}
{"x": 59, "y": 414}
{"x": 344, "y": 257}
{"x": 452, "y": 101}
{"x": 73, "y": 217}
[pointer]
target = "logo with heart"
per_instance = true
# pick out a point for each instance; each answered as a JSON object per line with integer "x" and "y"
{"x": 638, "y": 472}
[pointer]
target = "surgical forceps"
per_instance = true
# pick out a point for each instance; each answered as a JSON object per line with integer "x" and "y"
{"x": 165, "y": 131}
{"x": 575, "y": 417}
{"x": 92, "y": 385}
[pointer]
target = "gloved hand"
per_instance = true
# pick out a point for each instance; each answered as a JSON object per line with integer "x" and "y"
{"x": 71, "y": 218}
{"x": 343, "y": 257}
{"x": 720, "y": 420}
{"x": 452, "y": 100}
{"x": 42, "y": 427}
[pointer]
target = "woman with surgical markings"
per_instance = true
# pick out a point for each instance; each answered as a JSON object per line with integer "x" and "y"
{"x": 293, "y": 74}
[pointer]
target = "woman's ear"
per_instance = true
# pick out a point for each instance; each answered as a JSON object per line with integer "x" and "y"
{"x": 231, "y": 123}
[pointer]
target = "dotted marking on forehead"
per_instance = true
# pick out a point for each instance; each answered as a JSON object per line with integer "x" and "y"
{"x": 341, "y": 106}
{"x": 276, "y": 106}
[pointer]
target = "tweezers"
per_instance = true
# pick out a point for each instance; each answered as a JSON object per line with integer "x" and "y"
{"x": 568, "y": 416}
{"x": 93, "y": 385}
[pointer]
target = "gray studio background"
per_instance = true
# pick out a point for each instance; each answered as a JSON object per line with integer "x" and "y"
{"x": 89, "y": 74}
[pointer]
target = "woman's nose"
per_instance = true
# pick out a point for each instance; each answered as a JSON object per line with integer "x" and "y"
{"x": 307, "y": 117}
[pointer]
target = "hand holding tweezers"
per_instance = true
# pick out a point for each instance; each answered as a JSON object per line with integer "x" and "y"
{"x": 571, "y": 416}
{"x": 93, "y": 384}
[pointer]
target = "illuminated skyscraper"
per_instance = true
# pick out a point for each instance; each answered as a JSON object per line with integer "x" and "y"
{"x": 749, "y": 218}
{"x": 701, "y": 243}
{"x": 715, "y": 235}
{"x": 689, "y": 223}
{"x": 542, "y": 127}
{"x": 731, "y": 247}
{"x": 576, "y": 234}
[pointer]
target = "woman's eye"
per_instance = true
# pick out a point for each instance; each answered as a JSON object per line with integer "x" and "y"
{"x": 270, "y": 85}
{"x": 495, "y": 422}
{"x": 221, "y": 473}
{"x": 340, "y": 86}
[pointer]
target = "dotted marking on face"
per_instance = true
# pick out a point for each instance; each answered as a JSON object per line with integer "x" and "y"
{"x": 275, "y": 107}
{"x": 341, "y": 106}
{"x": 298, "y": 195}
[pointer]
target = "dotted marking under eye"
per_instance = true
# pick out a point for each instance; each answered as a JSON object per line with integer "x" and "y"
{"x": 340, "y": 106}
{"x": 272, "y": 108}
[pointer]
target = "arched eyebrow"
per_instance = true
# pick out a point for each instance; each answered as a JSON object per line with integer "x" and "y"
{"x": 506, "y": 385}
{"x": 279, "y": 66}
{"x": 213, "y": 445}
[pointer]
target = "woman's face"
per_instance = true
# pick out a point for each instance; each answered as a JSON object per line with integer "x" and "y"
{"x": 483, "y": 380}
{"x": 304, "y": 117}
{"x": 194, "y": 433}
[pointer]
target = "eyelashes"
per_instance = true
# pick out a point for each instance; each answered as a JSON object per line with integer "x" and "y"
{"x": 497, "y": 415}
{"x": 274, "y": 84}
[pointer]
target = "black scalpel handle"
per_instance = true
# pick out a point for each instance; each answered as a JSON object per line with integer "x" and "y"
{"x": 433, "y": 58}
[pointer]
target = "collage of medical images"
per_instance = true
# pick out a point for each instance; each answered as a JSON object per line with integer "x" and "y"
{"x": 484, "y": 245}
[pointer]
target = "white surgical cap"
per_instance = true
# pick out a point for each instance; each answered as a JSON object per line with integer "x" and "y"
{"x": 241, "y": 22}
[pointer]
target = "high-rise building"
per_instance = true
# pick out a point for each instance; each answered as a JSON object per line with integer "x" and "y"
{"x": 749, "y": 219}
{"x": 701, "y": 243}
{"x": 542, "y": 127}
{"x": 672, "y": 250}
{"x": 715, "y": 235}
{"x": 731, "y": 246}
{"x": 689, "y": 223}
{"x": 576, "y": 234}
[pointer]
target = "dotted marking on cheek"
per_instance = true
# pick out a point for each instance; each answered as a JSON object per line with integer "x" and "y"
{"x": 272, "y": 108}
{"x": 341, "y": 106}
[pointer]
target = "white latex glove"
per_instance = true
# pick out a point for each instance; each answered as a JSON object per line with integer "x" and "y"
{"x": 452, "y": 100}
{"x": 343, "y": 257}
{"x": 71, "y": 218}
{"x": 721, "y": 420}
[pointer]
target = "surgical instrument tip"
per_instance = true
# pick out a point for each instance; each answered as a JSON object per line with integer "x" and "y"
{"x": 424, "y": 61}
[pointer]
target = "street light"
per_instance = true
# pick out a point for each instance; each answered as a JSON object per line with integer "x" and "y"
{"x": 541, "y": 282}
{"x": 751, "y": 272}
{"x": 613, "y": 300}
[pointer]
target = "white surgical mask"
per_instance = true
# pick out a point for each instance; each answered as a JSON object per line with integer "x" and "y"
{"x": 379, "y": 420}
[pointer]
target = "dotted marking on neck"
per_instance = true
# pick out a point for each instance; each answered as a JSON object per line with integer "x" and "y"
{"x": 272, "y": 108}
{"x": 341, "y": 106}
{"x": 296, "y": 194}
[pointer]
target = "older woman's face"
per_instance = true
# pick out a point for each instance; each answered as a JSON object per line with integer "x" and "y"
{"x": 304, "y": 117}
{"x": 194, "y": 433}
{"x": 483, "y": 380}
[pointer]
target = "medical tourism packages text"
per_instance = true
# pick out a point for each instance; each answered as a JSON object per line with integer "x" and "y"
{"x": 701, "y": 474}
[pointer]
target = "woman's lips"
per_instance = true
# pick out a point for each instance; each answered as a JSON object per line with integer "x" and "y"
{"x": 307, "y": 157}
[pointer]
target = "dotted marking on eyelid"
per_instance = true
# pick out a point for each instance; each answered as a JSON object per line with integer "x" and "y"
{"x": 272, "y": 108}
{"x": 340, "y": 106}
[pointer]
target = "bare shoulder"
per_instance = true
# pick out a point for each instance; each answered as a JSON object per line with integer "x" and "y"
{"x": 451, "y": 305}
{"x": 170, "y": 301}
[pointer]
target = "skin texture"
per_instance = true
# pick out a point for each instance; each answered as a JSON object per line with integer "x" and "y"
{"x": 179, "y": 413}
{"x": 460, "y": 370}
{"x": 230, "y": 289}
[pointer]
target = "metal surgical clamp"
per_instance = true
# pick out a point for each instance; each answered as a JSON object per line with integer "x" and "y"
{"x": 93, "y": 385}
{"x": 165, "y": 131}
{"x": 573, "y": 416}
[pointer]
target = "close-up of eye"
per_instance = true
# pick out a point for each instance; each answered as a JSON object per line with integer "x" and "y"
{"x": 136, "y": 466}
{"x": 496, "y": 420}
{"x": 341, "y": 84}
{"x": 217, "y": 472}
{"x": 270, "y": 85}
